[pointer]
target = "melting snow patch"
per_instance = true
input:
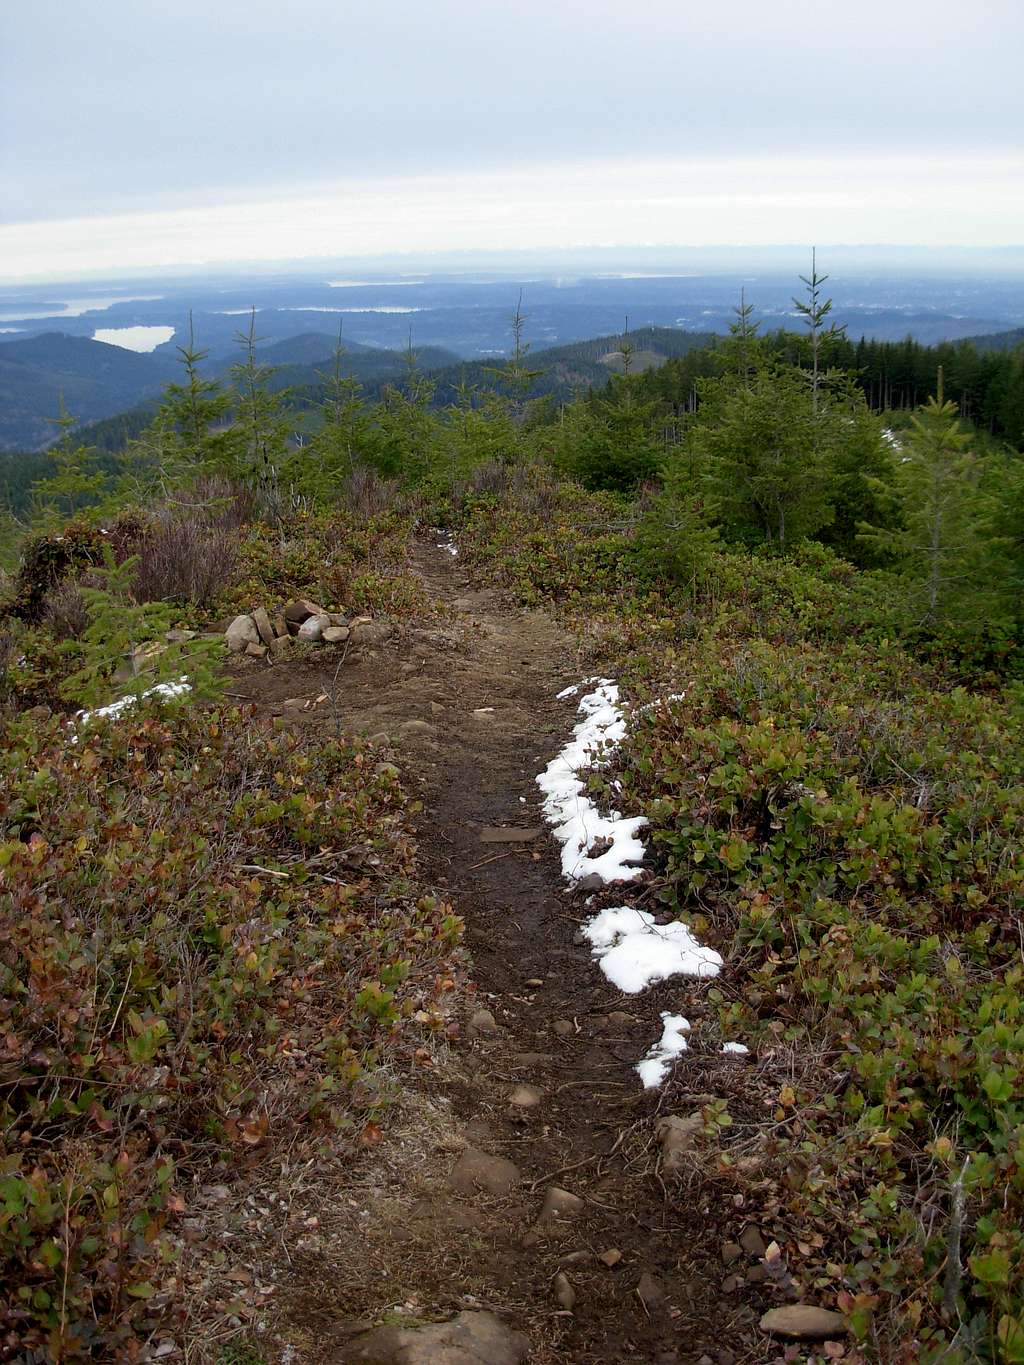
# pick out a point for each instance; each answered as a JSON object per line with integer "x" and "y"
{"x": 652, "y": 1070}
{"x": 634, "y": 951}
{"x": 163, "y": 690}
{"x": 446, "y": 542}
{"x": 577, "y": 821}
{"x": 740, "y": 1049}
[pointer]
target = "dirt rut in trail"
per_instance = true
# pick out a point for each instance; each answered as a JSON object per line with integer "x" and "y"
{"x": 475, "y": 722}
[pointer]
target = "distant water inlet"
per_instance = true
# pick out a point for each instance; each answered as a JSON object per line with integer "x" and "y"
{"x": 134, "y": 338}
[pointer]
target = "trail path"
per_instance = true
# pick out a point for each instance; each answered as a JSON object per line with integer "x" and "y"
{"x": 440, "y": 1243}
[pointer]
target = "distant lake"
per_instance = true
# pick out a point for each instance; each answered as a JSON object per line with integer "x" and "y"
{"x": 74, "y": 308}
{"x": 134, "y": 338}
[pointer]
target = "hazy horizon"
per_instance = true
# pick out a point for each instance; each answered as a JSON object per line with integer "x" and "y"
{"x": 178, "y": 136}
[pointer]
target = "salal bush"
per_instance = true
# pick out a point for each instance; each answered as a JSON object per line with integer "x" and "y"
{"x": 210, "y": 943}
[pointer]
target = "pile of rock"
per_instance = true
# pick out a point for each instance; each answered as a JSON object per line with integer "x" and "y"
{"x": 258, "y": 635}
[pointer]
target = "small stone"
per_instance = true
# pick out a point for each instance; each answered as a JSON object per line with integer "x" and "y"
{"x": 563, "y": 1027}
{"x": 335, "y": 635}
{"x": 559, "y": 1210}
{"x": 295, "y": 703}
{"x": 179, "y": 637}
{"x": 483, "y": 1021}
{"x": 757, "y": 1274}
{"x": 650, "y": 1291}
{"x": 312, "y": 628}
{"x": 436, "y": 709}
{"x": 525, "y": 1097}
{"x": 620, "y": 1019}
{"x": 241, "y": 632}
{"x": 262, "y": 623}
{"x": 470, "y": 1338}
{"x": 610, "y": 1257}
{"x": 731, "y": 1283}
{"x": 803, "y": 1322}
{"x": 476, "y": 1170}
{"x": 370, "y": 633}
{"x": 279, "y": 645}
{"x": 295, "y": 613}
{"x": 416, "y": 727}
{"x": 256, "y": 651}
{"x": 574, "y": 1258}
{"x": 678, "y": 1136}
{"x": 593, "y": 881}
{"x": 564, "y": 1292}
{"x": 338, "y": 618}
{"x": 536, "y": 981}
{"x": 484, "y": 713}
{"x": 752, "y": 1242}
{"x": 731, "y": 1251}
{"x": 281, "y": 627}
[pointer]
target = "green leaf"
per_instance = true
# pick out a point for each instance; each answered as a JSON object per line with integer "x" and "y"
{"x": 993, "y": 1267}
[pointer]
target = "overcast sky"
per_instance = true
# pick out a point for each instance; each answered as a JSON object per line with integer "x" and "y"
{"x": 148, "y": 132}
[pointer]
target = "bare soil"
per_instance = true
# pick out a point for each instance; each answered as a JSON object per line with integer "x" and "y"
{"x": 392, "y": 1240}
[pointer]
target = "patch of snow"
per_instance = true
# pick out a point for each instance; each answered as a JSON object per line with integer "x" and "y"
{"x": 578, "y": 824}
{"x": 654, "y": 1067}
{"x": 740, "y": 1049}
{"x": 116, "y": 708}
{"x": 634, "y": 951}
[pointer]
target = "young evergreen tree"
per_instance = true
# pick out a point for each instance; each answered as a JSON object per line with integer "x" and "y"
{"x": 261, "y": 426}
{"x": 938, "y": 543}
{"x": 764, "y": 463}
{"x": 814, "y": 310}
{"x": 82, "y": 476}
{"x": 195, "y": 414}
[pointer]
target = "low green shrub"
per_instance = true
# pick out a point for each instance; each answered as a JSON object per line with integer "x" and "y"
{"x": 210, "y": 941}
{"x": 850, "y": 832}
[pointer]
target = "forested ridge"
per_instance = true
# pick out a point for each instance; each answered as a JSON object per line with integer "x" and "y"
{"x": 801, "y": 558}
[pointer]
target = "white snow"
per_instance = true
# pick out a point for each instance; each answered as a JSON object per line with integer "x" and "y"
{"x": 577, "y": 821}
{"x": 116, "y": 708}
{"x": 634, "y": 951}
{"x": 134, "y": 338}
{"x": 654, "y": 1067}
{"x": 740, "y": 1049}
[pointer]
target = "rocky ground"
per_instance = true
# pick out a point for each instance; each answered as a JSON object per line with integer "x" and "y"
{"x": 531, "y": 1201}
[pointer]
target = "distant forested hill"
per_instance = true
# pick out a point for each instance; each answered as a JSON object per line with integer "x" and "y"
{"x": 999, "y": 341}
{"x": 94, "y": 379}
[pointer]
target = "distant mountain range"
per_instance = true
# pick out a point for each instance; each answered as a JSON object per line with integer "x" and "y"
{"x": 93, "y": 378}
{"x": 112, "y": 391}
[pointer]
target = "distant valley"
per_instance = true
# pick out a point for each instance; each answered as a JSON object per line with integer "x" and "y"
{"x": 458, "y": 323}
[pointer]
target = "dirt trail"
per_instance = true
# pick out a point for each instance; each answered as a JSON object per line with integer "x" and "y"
{"x": 560, "y": 1027}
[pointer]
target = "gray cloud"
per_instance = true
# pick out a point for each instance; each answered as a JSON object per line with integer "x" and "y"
{"x": 110, "y": 106}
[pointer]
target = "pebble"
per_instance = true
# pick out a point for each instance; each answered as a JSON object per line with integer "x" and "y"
{"x": 559, "y": 1210}
{"x": 752, "y": 1242}
{"x": 803, "y": 1322}
{"x": 476, "y": 1170}
{"x": 563, "y": 1027}
{"x": 525, "y": 1096}
{"x": 650, "y": 1291}
{"x": 731, "y": 1251}
{"x": 564, "y": 1292}
{"x": 483, "y": 1021}
{"x": 611, "y": 1257}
